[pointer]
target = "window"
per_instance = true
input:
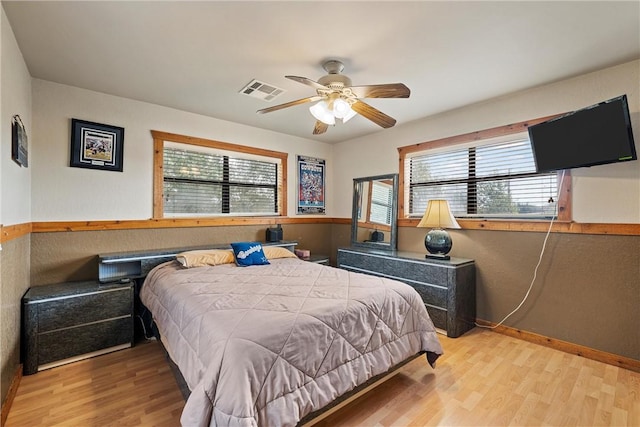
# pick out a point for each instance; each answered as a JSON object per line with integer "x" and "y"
{"x": 491, "y": 180}
{"x": 209, "y": 178}
{"x": 381, "y": 202}
{"x": 488, "y": 174}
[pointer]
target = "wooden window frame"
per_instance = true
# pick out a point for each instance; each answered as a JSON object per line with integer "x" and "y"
{"x": 159, "y": 138}
{"x": 564, "y": 214}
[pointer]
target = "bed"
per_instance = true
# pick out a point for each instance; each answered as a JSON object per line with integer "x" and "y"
{"x": 272, "y": 344}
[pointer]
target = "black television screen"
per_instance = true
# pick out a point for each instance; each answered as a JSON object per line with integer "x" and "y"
{"x": 595, "y": 135}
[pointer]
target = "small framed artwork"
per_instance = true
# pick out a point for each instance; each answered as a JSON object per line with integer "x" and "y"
{"x": 311, "y": 185}
{"x": 96, "y": 146}
{"x": 19, "y": 148}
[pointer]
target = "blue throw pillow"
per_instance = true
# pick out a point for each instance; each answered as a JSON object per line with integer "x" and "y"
{"x": 249, "y": 253}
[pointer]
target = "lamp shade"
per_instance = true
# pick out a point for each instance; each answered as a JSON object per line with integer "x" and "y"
{"x": 340, "y": 108}
{"x": 322, "y": 112}
{"x": 438, "y": 215}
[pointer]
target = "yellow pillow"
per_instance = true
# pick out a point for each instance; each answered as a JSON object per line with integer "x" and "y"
{"x": 205, "y": 257}
{"x": 273, "y": 252}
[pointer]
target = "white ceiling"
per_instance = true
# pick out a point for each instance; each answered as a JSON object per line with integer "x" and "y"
{"x": 197, "y": 56}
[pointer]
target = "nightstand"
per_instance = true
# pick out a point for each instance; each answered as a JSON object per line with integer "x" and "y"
{"x": 318, "y": 259}
{"x": 70, "y": 321}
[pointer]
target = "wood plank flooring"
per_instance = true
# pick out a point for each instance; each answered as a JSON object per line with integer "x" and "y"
{"x": 484, "y": 379}
{"x": 131, "y": 387}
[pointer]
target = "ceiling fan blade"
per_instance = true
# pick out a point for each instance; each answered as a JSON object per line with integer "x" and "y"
{"x": 391, "y": 90}
{"x": 320, "y": 127}
{"x": 290, "y": 104}
{"x": 308, "y": 82}
{"x": 376, "y": 116}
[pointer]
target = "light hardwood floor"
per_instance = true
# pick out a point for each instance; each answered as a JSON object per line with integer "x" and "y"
{"x": 484, "y": 379}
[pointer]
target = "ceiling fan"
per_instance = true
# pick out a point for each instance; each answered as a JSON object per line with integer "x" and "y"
{"x": 338, "y": 99}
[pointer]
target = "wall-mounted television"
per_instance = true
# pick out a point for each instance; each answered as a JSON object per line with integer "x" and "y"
{"x": 595, "y": 135}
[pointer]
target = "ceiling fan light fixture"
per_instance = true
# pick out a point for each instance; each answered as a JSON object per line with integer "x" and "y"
{"x": 341, "y": 108}
{"x": 337, "y": 98}
{"x": 322, "y": 112}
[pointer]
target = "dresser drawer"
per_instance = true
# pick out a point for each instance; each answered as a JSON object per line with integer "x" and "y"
{"x": 415, "y": 271}
{"x": 81, "y": 309}
{"x": 66, "y": 343}
{"x": 432, "y": 295}
{"x": 438, "y": 316}
{"x": 402, "y": 269}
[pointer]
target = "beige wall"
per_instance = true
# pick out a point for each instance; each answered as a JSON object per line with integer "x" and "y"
{"x": 79, "y": 194}
{"x": 15, "y": 96}
{"x": 15, "y": 201}
{"x": 601, "y": 194}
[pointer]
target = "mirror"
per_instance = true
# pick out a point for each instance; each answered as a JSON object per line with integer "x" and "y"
{"x": 375, "y": 211}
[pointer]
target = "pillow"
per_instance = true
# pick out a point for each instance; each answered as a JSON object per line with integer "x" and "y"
{"x": 205, "y": 257}
{"x": 273, "y": 252}
{"x": 249, "y": 253}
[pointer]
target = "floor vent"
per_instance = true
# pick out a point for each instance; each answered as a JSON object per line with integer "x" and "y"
{"x": 261, "y": 90}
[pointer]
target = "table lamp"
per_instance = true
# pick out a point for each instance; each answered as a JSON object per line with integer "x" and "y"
{"x": 438, "y": 216}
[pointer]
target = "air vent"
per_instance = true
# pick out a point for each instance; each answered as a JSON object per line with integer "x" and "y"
{"x": 261, "y": 90}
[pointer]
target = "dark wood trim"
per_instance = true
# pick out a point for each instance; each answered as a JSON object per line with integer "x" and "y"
{"x": 567, "y": 347}
{"x": 11, "y": 394}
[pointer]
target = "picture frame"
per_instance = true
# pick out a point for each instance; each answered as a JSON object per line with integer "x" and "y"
{"x": 19, "y": 142}
{"x": 96, "y": 146}
{"x": 311, "y": 186}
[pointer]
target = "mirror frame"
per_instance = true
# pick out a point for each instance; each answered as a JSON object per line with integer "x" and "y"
{"x": 393, "y": 239}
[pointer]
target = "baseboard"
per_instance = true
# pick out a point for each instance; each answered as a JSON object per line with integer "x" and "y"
{"x": 13, "y": 389}
{"x": 567, "y": 347}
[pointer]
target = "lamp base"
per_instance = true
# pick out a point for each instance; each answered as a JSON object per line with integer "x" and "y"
{"x": 438, "y": 256}
{"x": 438, "y": 243}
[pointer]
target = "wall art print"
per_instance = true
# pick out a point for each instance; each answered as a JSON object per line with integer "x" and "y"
{"x": 311, "y": 186}
{"x": 96, "y": 146}
{"x": 19, "y": 143}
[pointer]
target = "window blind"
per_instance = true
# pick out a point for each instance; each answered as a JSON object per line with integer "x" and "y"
{"x": 197, "y": 182}
{"x": 485, "y": 180}
{"x": 381, "y": 200}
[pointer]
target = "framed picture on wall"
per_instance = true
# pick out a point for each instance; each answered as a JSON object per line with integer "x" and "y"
{"x": 96, "y": 146}
{"x": 311, "y": 185}
{"x": 19, "y": 148}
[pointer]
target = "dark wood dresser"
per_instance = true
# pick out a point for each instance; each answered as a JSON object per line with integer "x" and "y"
{"x": 448, "y": 288}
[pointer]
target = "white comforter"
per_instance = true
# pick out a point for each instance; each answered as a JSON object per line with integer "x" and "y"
{"x": 267, "y": 345}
